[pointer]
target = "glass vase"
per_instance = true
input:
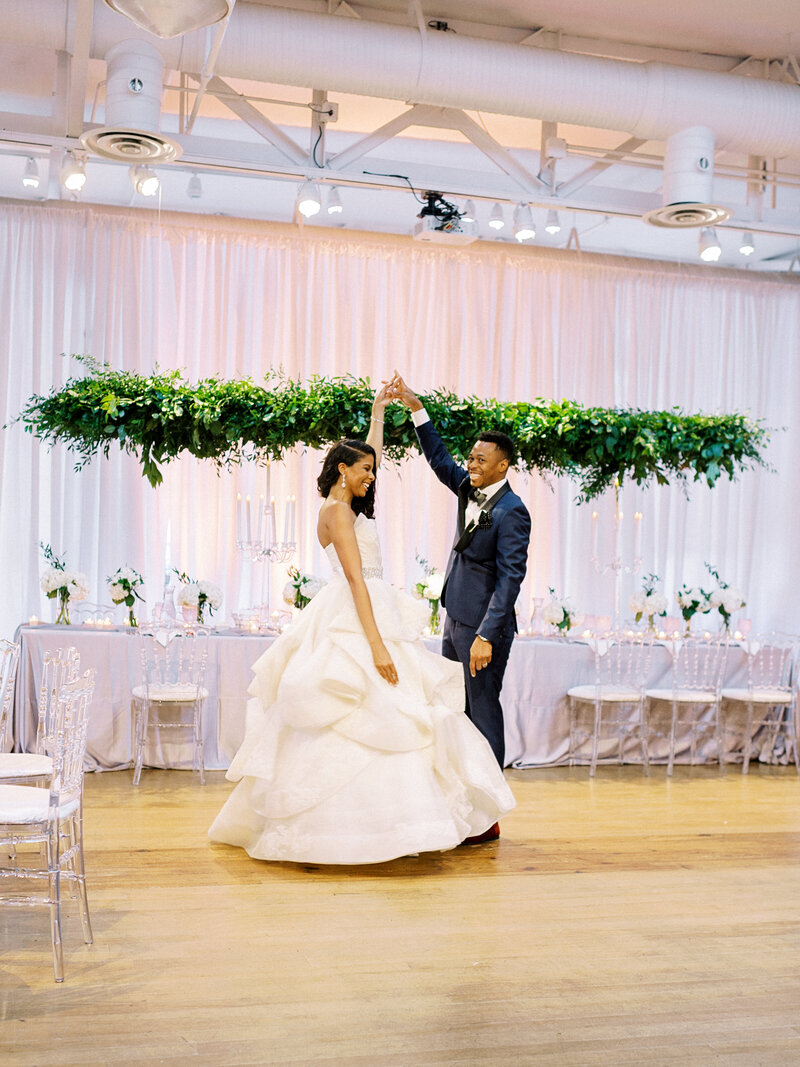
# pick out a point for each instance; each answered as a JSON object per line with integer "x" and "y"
{"x": 435, "y": 618}
{"x": 62, "y": 619}
{"x": 132, "y": 621}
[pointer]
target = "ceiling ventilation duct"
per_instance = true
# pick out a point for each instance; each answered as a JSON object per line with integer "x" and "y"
{"x": 688, "y": 182}
{"x": 170, "y": 18}
{"x": 133, "y": 108}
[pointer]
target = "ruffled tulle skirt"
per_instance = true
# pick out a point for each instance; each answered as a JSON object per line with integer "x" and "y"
{"x": 337, "y": 766}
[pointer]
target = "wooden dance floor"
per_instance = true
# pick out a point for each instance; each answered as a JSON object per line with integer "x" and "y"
{"x": 621, "y": 921}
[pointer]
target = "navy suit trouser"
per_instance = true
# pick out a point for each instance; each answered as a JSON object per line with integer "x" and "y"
{"x": 482, "y": 691}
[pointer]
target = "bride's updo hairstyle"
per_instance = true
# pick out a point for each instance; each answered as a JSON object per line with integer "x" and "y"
{"x": 348, "y": 452}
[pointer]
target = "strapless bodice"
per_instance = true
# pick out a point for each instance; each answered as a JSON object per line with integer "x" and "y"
{"x": 366, "y": 533}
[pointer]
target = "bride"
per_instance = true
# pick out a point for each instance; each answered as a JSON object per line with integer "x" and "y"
{"x": 357, "y": 748}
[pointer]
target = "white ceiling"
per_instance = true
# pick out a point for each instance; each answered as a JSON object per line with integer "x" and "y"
{"x": 51, "y": 90}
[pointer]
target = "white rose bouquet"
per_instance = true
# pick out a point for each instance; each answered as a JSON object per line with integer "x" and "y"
{"x": 430, "y": 588}
{"x": 198, "y": 595}
{"x": 725, "y": 598}
{"x": 66, "y": 585}
{"x": 559, "y": 612}
{"x": 648, "y": 602}
{"x": 301, "y": 588}
{"x": 122, "y": 587}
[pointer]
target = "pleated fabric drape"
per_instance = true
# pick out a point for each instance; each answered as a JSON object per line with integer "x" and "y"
{"x": 229, "y": 298}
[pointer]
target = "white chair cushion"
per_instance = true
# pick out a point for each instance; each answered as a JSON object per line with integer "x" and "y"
{"x": 24, "y": 765}
{"x": 757, "y": 696}
{"x": 683, "y": 696}
{"x": 605, "y": 692}
{"x": 173, "y": 694}
{"x": 26, "y": 803}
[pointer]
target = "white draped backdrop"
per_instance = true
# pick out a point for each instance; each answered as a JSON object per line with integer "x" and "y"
{"x": 229, "y": 298}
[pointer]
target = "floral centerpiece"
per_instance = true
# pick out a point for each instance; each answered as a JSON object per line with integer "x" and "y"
{"x": 559, "y": 612}
{"x": 725, "y": 598}
{"x": 430, "y": 588}
{"x": 122, "y": 586}
{"x": 648, "y": 602}
{"x": 301, "y": 588}
{"x": 692, "y": 600}
{"x": 66, "y": 585}
{"x": 194, "y": 596}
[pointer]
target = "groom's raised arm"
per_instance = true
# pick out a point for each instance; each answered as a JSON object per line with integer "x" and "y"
{"x": 433, "y": 447}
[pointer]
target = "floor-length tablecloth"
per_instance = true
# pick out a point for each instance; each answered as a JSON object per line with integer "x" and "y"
{"x": 540, "y": 670}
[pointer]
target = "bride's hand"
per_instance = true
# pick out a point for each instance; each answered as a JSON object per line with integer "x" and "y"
{"x": 385, "y": 395}
{"x": 384, "y": 663}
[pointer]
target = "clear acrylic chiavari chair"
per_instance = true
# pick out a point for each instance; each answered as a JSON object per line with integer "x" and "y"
{"x": 9, "y": 657}
{"x": 613, "y": 707}
{"x": 59, "y": 666}
{"x": 41, "y": 828}
{"x": 171, "y": 695}
{"x": 769, "y": 700}
{"x": 698, "y": 665}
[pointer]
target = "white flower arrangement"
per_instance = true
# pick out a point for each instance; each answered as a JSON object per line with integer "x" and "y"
{"x": 301, "y": 588}
{"x": 725, "y": 598}
{"x": 198, "y": 595}
{"x": 122, "y": 586}
{"x": 430, "y": 588}
{"x": 648, "y": 602}
{"x": 59, "y": 582}
{"x": 559, "y": 612}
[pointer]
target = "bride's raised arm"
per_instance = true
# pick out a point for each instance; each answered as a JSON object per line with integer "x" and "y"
{"x": 383, "y": 397}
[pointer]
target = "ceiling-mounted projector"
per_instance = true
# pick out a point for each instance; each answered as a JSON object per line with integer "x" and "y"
{"x": 441, "y": 223}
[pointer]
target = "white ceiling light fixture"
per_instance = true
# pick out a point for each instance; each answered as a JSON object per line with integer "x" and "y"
{"x": 194, "y": 190}
{"x": 170, "y": 18}
{"x": 30, "y": 176}
{"x": 335, "y": 206}
{"x": 308, "y": 200}
{"x": 73, "y": 173}
{"x": 552, "y": 225}
{"x": 709, "y": 248}
{"x": 747, "y": 246}
{"x": 524, "y": 230}
{"x": 468, "y": 214}
{"x": 497, "y": 219}
{"x": 145, "y": 181}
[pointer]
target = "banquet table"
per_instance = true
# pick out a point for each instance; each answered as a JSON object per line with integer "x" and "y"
{"x": 540, "y": 670}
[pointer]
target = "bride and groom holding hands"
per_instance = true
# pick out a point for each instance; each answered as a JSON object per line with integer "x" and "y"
{"x": 357, "y": 747}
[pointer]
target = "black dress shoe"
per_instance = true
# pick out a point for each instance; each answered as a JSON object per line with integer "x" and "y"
{"x": 491, "y": 834}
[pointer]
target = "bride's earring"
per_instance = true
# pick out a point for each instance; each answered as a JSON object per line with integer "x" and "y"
{"x": 344, "y": 482}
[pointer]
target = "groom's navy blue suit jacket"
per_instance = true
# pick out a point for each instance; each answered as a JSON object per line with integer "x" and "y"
{"x": 482, "y": 581}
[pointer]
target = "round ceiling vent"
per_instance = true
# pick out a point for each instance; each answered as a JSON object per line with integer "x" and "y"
{"x": 682, "y": 216}
{"x": 130, "y": 146}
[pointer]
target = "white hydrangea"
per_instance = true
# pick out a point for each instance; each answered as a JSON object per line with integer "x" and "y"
{"x": 715, "y": 597}
{"x": 637, "y": 602}
{"x": 434, "y": 584}
{"x": 553, "y": 613}
{"x": 313, "y": 586}
{"x": 77, "y": 583}
{"x": 732, "y": 600}
{"x": 116, "y": 592}
{"x": 212, "y": 593}
{"x": 655, "y": 603}
{"x": 52, "y": 579}
{"x": 188, "y": 595}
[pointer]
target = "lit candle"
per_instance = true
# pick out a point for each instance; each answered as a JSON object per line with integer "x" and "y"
{"x": 273, "y": 522}
{"x": 594, "y": 534}
{"x": 239, "y": 522}
{"x": 168, "y": 553}
{"x": 248, "y": 523}
{"x": 126, "y": 622}
{"x": 89, "y": 622}
{"x": 33, "y": 620}
{"x": 618, "y": 520}
{"x": 286, "y": 509}
{"x": 260, "y": 528}
{"x": 637, "y": 535}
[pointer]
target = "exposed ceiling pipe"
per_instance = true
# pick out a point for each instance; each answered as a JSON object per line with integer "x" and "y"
{"x": 648, "y": 100}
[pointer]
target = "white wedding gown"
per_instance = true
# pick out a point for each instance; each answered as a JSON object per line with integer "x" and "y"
{"x": 338, "y": 766}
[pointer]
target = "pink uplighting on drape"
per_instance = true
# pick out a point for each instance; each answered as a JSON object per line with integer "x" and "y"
{"x": 228, "y": 298}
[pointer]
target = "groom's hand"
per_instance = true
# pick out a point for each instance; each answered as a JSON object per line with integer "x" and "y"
{"x": 405, "y": 395}
{"x": 480, "y": 655}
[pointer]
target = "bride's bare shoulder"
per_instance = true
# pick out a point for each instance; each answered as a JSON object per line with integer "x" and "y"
{"x": 334, "y": 516}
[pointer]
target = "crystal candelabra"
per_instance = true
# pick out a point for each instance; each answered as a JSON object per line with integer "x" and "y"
{"x": 617, "y": 564}
{"x": 257, "y": 535}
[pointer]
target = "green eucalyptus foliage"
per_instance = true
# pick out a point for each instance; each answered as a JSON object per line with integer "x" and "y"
{"x": 160, "y": 416}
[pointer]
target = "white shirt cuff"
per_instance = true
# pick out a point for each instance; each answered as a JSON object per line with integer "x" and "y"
{"x": 420, "y": 417}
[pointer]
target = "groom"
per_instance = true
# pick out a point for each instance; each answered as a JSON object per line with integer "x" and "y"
{"x": 486, "y": 566}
